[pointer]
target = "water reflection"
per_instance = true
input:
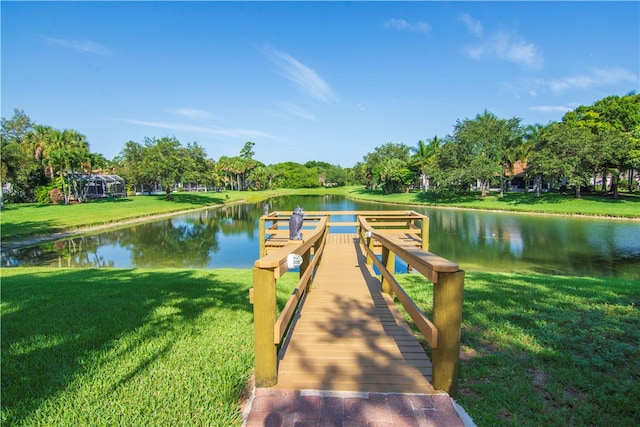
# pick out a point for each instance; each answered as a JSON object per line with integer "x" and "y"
{"x": 227, "y": 237}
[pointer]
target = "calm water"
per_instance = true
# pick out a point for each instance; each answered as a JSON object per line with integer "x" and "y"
{"x": 228, "y": 237}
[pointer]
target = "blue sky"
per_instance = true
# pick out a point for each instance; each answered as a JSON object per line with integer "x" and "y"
{"x": 304, "y": 81}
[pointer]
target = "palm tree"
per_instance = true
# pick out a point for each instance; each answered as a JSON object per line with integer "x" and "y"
{"x": 530, "y": 142}
{"x": 38, "y": 142}
{"x": 424, "y": 158}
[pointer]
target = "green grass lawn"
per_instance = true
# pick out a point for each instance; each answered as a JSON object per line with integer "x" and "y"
{"x": 159, "y": 347}
{"x": 175, "y": 347}
{"x": 126, "y": 347}
{"x": 541, "y": 350}
{"x": 626, "y": 206}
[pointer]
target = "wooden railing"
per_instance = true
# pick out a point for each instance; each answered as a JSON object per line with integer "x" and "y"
{"x": 443, "y": 334}
{"x": 389, "y": 233}
{"x": 270, "y": 330}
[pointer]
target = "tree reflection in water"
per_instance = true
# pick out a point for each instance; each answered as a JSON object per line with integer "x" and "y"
{"x": 477, "y": 241}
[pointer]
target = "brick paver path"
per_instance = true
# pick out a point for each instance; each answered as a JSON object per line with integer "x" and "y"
{"x": 293, "y": 408}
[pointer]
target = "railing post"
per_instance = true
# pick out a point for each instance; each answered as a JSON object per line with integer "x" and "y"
{"x": 389, "y": 261}
{"x": 261, "y": 229}
{"x": 425, "y": 233}
{"x": 306, "y": 260}
{"x": 447, "y": 317}
{"x": 264, "y": 319}
{"x": 370, "y": 242}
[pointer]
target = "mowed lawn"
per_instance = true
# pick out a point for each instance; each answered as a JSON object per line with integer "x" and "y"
{"x": 126, "y": 347}
{"x": 175, "y": 347}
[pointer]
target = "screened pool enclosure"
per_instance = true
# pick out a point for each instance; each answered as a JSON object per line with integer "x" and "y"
{"x": 98, "y": 186}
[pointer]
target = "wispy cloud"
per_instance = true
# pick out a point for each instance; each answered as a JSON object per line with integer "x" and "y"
{"x": 552, "y": 108}
{"x": 303, "y": 76}
{"x": 80, "y": 45}
{"x": 192, "y": 113}
{"x": 508, "y": 47}
{"x": 473, "y": 25}
{"x": 296, "y": 110}
{"x": 596, "y": 77}
{"x": 402, "y": 25}
{"x": 219, "y": 132}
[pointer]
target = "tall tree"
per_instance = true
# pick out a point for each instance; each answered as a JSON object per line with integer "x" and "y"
{"x": 530, "y": 144}
{"x": 375, "y": 162}
{"x": 163, "y": 162}
{"x": 130, "y": 163}
{"x": 568, "y": 154}
{"x": 15, "y": 161}
{"x": 484, "y": 141}
{"x": 424, "y": 156}
{"x": 67, "y": 156}
{"x": 198, "y": 167}
{"x": 615, "y": 121}
{"x": 247, "y": 150}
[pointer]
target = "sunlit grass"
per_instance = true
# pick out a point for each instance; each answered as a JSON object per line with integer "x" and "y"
{"x": 546, "y": 350}
{"x": 126, "y": 347}
{"x": 626, "y": 206}
{"x": 175, "y": 347}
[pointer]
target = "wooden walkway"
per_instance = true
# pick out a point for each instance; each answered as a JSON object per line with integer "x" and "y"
{"x": 349, "y": 336}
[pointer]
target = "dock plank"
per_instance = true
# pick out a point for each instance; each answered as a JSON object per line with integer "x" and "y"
{"x": 348, "y": 336}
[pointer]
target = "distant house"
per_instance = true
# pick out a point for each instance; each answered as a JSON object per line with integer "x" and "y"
{"x": 98, "y": 186}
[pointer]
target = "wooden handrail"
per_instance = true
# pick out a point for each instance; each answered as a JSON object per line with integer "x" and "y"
{"x": 425, "y": 326}
{"x": 426, "y": 263}
{"x": 269, "y": 330}
{"x": 386, "y": 229}
{"x": 443, "y": 334}
{"x": 296, "y": 295}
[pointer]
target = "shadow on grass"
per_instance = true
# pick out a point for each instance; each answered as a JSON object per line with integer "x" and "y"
{"x": 446, "y": 198}
{"x": 54, "y": 322}
{"x": 10, "y": 230}
{"x": 546, "y": 350}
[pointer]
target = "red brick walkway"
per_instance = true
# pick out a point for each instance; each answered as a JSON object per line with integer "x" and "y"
{"x": 292, "y": 408}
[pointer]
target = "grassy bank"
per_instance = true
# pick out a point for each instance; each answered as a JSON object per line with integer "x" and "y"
{"x": 126, "y": 347}
{"x": 174, "y": 347}
{"x": 23, "y": 221}
{"x": 546, "y": 350}
{"x": 626, "y": 206}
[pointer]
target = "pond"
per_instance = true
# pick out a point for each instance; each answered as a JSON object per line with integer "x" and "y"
{"x": 477, "y": 241}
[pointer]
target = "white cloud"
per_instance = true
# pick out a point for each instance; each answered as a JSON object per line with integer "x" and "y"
{"x": 402, "y": 25}
{"x": 192, "y": 113}
{"x": 81, "y": 45}
{"x": 474, "y": 26}
{"x": 509, "y": 48}
{"x": 596, "y": 77}
{"x": 296, "y": 110}
{"x": 220, "y": 132}
{"x": 551, "y": 108}
{"x": 301, "y": 75}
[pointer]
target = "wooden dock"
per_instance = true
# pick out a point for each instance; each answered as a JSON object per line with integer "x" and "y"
{"x": 348, "y": 335}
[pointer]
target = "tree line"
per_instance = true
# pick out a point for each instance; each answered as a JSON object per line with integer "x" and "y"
{"x": 590, "y": 143}
{"x": 601, "y": 141}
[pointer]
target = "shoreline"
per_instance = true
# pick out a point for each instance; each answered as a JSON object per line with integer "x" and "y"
{"x": 36, "y": 240}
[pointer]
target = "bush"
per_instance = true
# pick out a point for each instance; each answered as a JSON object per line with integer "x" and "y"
{"x": 43, "y": 193}
{"x": 56, "y": 196}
